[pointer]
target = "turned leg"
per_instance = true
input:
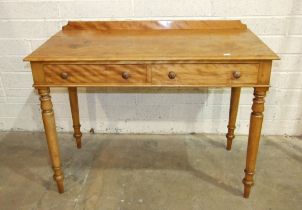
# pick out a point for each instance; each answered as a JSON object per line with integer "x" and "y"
{"x": 51, "y": 136}
{"x": 235, "y": 96}
{"x": 74, "y": 106}
{"x": 254, "y": 137}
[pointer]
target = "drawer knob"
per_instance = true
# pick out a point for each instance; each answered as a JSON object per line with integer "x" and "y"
{"x": 236, "y": 74}
{"x": 125, "y": 75}
{"x": 64, "y": 75}
{"x": 172, "y": 75}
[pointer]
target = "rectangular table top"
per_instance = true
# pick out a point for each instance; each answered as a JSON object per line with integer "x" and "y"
{"x": 153, "y": 41}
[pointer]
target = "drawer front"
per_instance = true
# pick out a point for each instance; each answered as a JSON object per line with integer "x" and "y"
{"x": 94, "y": 73}
{"x": 204, "y": 74}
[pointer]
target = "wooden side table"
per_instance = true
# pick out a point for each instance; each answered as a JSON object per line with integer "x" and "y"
{"x": 148, "y": 54}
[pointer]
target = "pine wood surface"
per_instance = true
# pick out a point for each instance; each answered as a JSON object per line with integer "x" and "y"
{"x": 201, "y": 40}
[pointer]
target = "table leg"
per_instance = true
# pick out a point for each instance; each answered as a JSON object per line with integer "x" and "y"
{"x": 254, "y": 137}
{"x": 51, "y": 136}
{"x": 234, "y": 103}
{"x": 74, "y": 106}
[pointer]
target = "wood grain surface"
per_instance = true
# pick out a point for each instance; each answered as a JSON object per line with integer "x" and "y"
{"x": 154, "y": 25}
{"x": 92, "y": 73}
{"x": 210, "y": 40}
{"x": 204, "y": 74}
{"x": 157, "y": 74}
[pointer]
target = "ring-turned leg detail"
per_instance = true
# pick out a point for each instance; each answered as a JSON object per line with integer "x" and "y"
{"x": 254, "y": 138}
{"x": 234, "y": 103}
{"x": 74, "y": 106}
{"x": 51, "y": 136}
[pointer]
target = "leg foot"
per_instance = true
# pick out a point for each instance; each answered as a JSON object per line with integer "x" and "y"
{"x": 59, "y": 178}
{"x": 230, "y": 137}
{"x": 60, "y": 186}
{"x": 248, "y": 183}
{"x": 234, "y": 103}
{"x": 74, "y": 106}
{"x": 247, "y": 190}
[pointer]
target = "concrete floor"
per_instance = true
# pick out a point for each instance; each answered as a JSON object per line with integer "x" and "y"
{"x": 148, "y": 172}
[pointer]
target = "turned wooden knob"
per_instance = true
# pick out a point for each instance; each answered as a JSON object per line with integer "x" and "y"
{"x": 236, "y": 74}
{"x": 64, "y": 75}
{"x": 172, "y": 75}
{"x": 125, "y": 75}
